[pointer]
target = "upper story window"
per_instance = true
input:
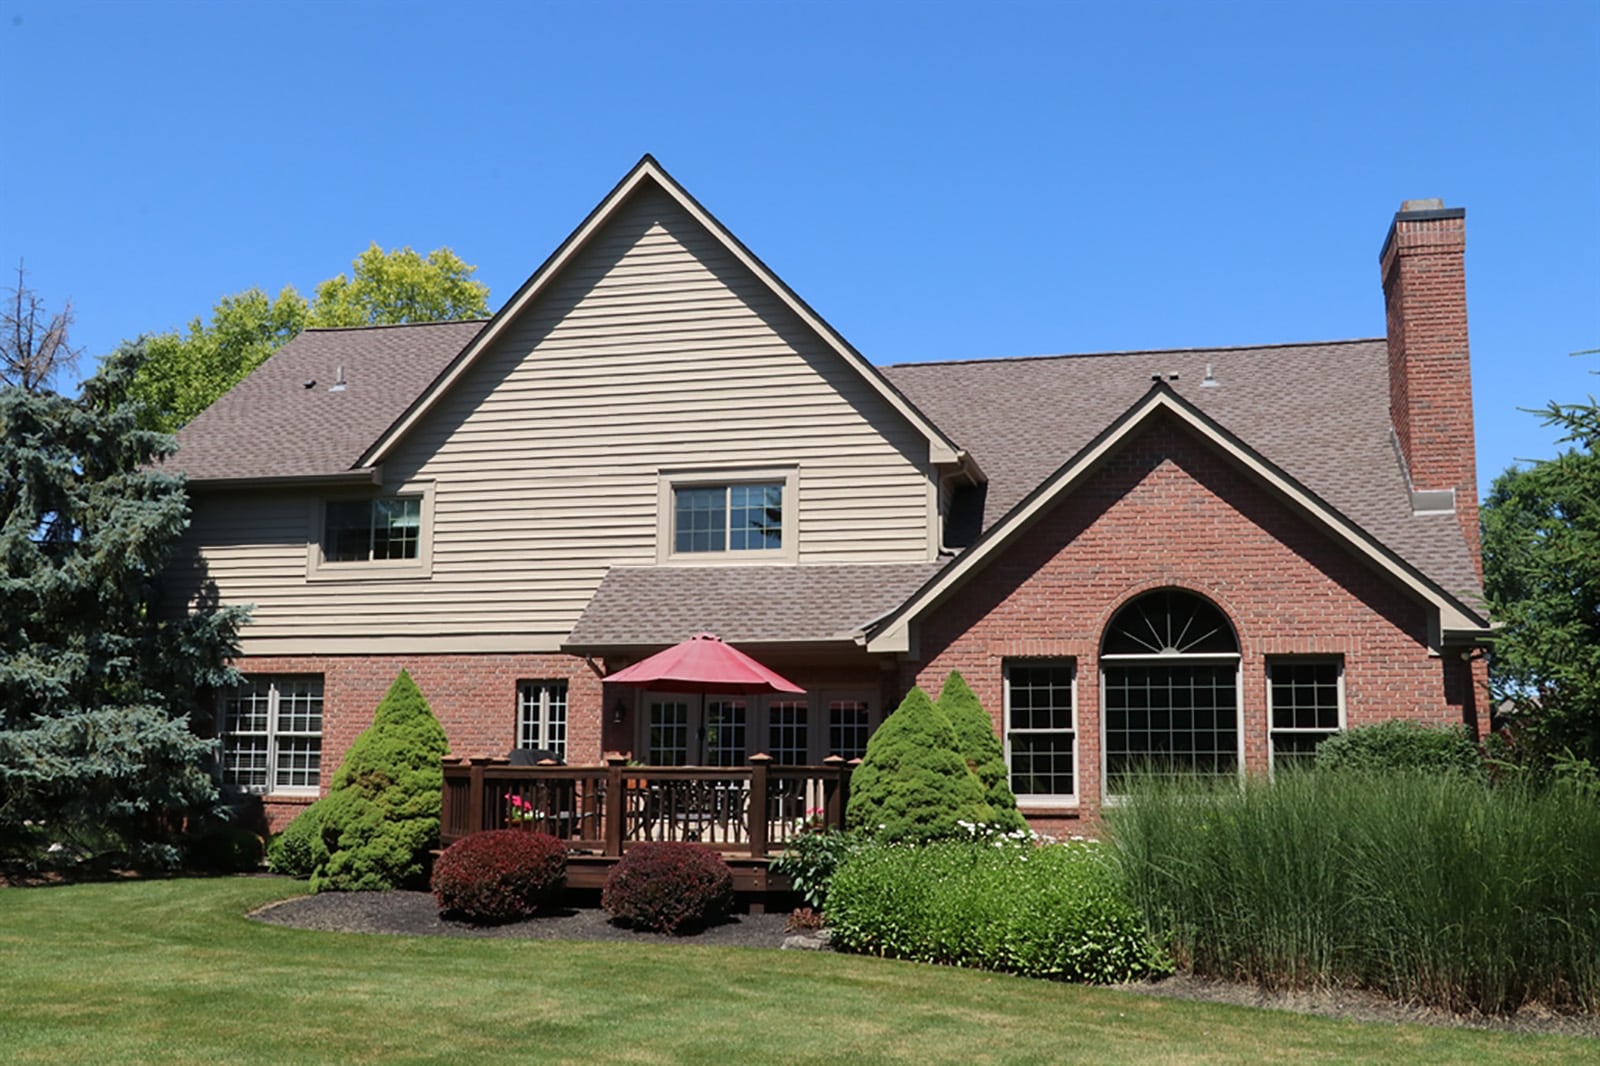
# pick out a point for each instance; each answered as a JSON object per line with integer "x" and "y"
{"x": 372, "y": 537}
{"x": 359, "y": 531}
{"x": 715, "y": 518}
{"x": 746, "y": 516}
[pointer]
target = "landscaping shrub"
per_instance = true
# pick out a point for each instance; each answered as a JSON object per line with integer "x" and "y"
{"x": 503, "y": 875}
{"x": 668, "y": 887}
{"x": 1401, "y": 746}
{"x": 810, "y": 859}
{"x": 912, "y": 784}
{"x": 977, "y": 742}
{"x": 381, "y": 815}
{"x": 225, "y": 848}
{"x": 1053, "y": 911}
{"x": 1430, "y": 888}
{"x": 290, "y": 852}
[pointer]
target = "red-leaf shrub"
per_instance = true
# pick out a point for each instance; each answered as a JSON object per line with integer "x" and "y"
{"x": 666, "y": 886}
{"x": 499, "y": 876}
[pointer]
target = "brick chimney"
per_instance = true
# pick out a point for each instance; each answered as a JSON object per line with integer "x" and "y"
{"x": 1430, "y": 373}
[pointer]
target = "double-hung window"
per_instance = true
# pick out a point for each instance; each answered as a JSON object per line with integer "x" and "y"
{"x": 270, "y": 734}
{"x": 1041, "y": 741}
{"x": 542, "y": 716}
{"x": 1306, "y": 698}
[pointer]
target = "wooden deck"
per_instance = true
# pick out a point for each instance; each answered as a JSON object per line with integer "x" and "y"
{"x": 748, "y": 814}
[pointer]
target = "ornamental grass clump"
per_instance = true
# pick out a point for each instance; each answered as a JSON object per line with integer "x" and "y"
{"x": 1055, "y": 910}
{"x": 504, "y": 875}
{"x": 1430, "y": 888}
{"x": 381, "y": 815}
{"x": 668, "y": 887}
{"x": 912, "y": 784}
{"x": 977, "y": 742}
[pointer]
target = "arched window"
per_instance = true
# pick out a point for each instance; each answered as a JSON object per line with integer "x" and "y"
{"x": 1169, "y": 668}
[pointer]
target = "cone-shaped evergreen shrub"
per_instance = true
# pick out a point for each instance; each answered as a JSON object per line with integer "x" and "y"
{"x": 978, "y": 744}
{"x": 913, "y": 785}
{"x": 381, "y": 814}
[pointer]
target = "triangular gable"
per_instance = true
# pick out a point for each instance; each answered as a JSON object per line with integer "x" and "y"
{"x": 1454, "y": 618}
{"x": 941, "y": 450}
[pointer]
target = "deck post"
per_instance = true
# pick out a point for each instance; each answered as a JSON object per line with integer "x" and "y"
{"x": 616, "y": 804}
{"x": 475, "y": 793}
{"x": 832, "y": 801}
{"x": 756, "y": 810}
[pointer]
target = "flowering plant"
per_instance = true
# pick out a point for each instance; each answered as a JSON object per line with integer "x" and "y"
{"x": 520, "y": 811}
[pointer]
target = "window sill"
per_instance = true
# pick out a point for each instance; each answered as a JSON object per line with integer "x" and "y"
{"x": 1049, "y": 808}
{"x": 375, "y": 571}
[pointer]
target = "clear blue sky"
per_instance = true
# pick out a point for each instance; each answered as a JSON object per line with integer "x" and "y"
{"x": 937, "y": 180}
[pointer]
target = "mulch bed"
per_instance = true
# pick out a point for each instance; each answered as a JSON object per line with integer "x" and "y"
{"x": 415, "y": 914}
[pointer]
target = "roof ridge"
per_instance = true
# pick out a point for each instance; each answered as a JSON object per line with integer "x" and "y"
{"x": 396, "y": 325}
{"x": 1130, "y": 352}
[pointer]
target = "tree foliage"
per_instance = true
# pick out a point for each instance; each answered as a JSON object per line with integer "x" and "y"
{"x": 912, "y": 784}
{"x": 977, "y": 743}
{"x": 381, "y": 814}
{"x": 98, "y": 683}
{"x": 1541, "y": 560}
{"x": 393, "y": 288}
{"x": 184, "y": 373}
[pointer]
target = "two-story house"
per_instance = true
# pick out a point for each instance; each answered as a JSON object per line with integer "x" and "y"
{"x": 1212, "y": 558}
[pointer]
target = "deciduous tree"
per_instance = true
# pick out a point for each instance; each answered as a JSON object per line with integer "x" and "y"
{"x": 183, "y": 374}
{"x": 34, "y": 345}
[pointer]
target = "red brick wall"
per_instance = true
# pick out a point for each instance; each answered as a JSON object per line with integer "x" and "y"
{"x": 1168, "y": 510}
{"x": 1430, "y": 374}
{"x": 473, "y": 696}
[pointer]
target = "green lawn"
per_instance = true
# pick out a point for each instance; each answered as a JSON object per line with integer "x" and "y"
{"x": 171, "y": 971}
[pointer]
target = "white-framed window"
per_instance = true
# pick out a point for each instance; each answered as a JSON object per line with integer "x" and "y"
{"x": 725, "y": 733}
{"x": 1169, "y": 690}
{"x": 727, "y": 516}
{"x": 849, "y": 727}
{"x": 667, "y": 726}
{"x": 388, "y": 536}
{"x": 1305, "y": 706}
{"x": 542, "y": 716}
{"x": 1041, "y": 736}
{"x": 788, "y": 732}
{"x": 269, "y": 734}
{"x": 675, "y": 730}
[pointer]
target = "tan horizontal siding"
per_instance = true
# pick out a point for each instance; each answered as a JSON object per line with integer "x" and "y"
{"x": 654, "y": 350}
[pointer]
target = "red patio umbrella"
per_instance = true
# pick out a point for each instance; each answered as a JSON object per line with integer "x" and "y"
{"x": 703, "y": 664}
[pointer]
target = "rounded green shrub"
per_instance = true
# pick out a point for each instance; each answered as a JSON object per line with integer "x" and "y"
{"x": 1056, "y": 911}
{"x": 1400, "y": 745}
{"x": 225, "y": 848}
{"x": 978, "y": 743}
{"x": 290, "y": 852}
{"x": 912, "y": 784}
{"x": 504, "y": 875}
{"x": 668, "y": 887}
{"x": 381, "y": 814}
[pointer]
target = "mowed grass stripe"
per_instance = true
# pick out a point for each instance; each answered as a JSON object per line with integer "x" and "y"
{"x": 172, "y": 972}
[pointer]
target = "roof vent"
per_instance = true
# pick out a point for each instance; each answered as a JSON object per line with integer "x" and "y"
{"x": 1210, "y": 380}
{"x": 338, "y": 380}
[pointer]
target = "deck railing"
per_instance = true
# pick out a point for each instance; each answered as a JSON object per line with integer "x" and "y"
{"x": 752, "y": 810}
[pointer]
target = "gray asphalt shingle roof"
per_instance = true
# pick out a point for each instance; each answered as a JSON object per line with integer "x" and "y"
{"x": 272, "y": 424}
{"x": 1319, "y": 411}
{"x": 743, "y": 604}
